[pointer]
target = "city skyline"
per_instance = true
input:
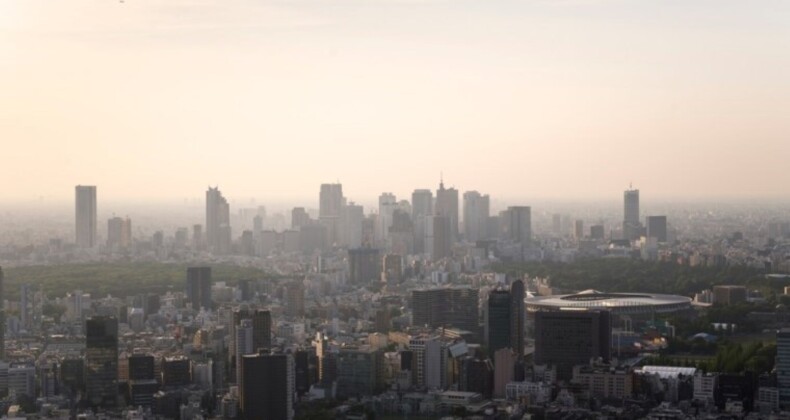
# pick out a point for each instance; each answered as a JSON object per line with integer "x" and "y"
{"x": 562, "y": 99}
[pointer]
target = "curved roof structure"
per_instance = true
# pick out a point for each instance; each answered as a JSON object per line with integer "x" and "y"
{"x": 617, "y": 303}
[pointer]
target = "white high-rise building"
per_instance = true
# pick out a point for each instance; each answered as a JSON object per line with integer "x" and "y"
{"x": 244, "y": 343}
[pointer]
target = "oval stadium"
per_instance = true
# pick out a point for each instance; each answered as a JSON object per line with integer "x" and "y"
{"x": 633, "y": 304}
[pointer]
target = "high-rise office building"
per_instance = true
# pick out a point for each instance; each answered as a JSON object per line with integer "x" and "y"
{"x": 197, "y": 237}
{"x": 243, "y": 342}
{"x": 657, "y": 228}
{"x": 119, "y": 233}
{"x": 218, "y": 234}
{"x": 326, "y": 366}
{"x": 505, "y": 319}
{"x": 597, "y": 232}
{"x": 783, "y": 366}
{"x": 518, "y": 224}
{"x": 438, "y": 237}
{"x": 422, "y": 207}
{"x": 294, "y": 298}
{"x": 267, "y": 386}
{"x": 331, "y": 200}
{"x": 364, "y": 266}
{"x": 556, "y": 224}
{"x": 632, "y": 228}
{"x": 517, "y": 316}
{"x": 401, "y": 232}
{"x": 455, "y": 307}
{"x": 447, "y": 206}
{"x": 86, "y": 218}
{"x": 260, "y": 334}
{"x": 578, "y": 229}
{"x": 353, "y": 216}
{"x": 101, "y": 361}
{"x": 565, "y": 339}
{"x": 261, "y": 329}
{"x": 198, "y": 287}
{"x": 476, "y": 213}
{"x": 498, "y": 321}
{"x": 388, "y": 203}
{"x": 330, "y": 211}
{"x": 360, "y": 371}
{"x": 299, "y": 218}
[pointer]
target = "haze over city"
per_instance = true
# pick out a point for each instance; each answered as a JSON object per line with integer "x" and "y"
{"x": 394, "y": 209}
{"x": 534, "y": 99}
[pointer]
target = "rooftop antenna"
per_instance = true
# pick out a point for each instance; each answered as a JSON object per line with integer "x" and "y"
{"x": 441, "y": 180}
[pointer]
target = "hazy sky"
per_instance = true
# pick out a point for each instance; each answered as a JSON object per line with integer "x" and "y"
{"x": 150, "y": 99}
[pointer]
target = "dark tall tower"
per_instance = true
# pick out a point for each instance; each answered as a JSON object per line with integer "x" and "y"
{"x": 455, "y": 307}
{"x": 85, "y": 216}
{"x": 261, "y": 329}
{"x": 498, "y": 321}
{"x": 517, "y": 317}
{"x": 218, "y": 234}
{"x": 631, "y": 225}
{"x": 657, "y": 228}
{"x": 267, "y": 386}
{"x": 101, "y": 361}
{"x": 569, "y": 338}
{"x": 198, "y": 287}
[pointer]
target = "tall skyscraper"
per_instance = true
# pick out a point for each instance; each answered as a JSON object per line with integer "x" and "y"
{"x": 519, "y": 224}
{"x": 388, "y": 203}
{"x": 119, "y": 233}
{"x": 331, "y": 200}
{"x": 631, "y": 226}
{"x": 517, "y": 316}
{"x": 498, "y": 321}
{"x": 330, "y": 211}
{"x": 476, "y": 213}
{"x": 447, "y": 206}
{"x": 267, "y": 386}
{"x": 244, "y": 343}
{"x": 101, "y": 361}
{"x": 505, "y": 319}
{"x": 218, "y": 234}
{"x": 783, "y": 366}
{"x": 86, "y": 218}
{"x": 438, "y": 237}
{"x": 578, "y": 229}
{"x": 353, "y": 216}
{"x": 657, "y": 228}
{"x": 569, "y": 338}
{"x": 198, "y": 287}
{"x": 422, "y": 207}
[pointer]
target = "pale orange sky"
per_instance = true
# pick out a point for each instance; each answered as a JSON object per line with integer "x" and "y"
{"x": 150, "y": 99}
